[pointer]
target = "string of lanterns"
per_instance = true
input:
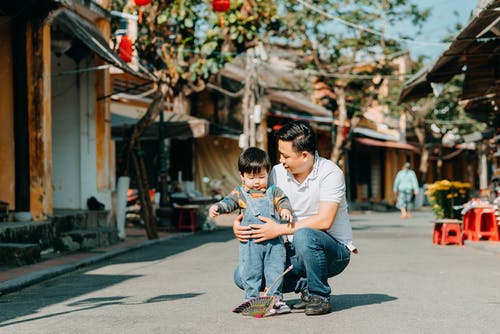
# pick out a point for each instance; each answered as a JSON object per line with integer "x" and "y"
{"x": 126, "y": 45}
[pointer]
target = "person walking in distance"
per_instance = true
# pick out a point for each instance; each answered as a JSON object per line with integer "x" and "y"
{"x": 406, "y": 188}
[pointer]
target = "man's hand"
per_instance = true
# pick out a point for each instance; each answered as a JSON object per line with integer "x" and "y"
{"x": 269, "y": 230}
{"x": 242, "y": 233}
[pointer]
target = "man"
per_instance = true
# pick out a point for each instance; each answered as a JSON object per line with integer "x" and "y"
{"x": 319, "y": 241}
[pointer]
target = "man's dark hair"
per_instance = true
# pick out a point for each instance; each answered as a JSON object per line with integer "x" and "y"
{"x": 301, "y": 134}
{"x": 253, "y": 160}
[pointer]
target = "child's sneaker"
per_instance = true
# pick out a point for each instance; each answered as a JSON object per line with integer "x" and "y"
{"x": 280, "y": 307}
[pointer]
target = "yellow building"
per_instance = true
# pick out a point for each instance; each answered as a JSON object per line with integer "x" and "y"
{"x": 55, "y": 138}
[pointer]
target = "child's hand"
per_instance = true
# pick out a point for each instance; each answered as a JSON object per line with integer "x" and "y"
{"x": 286, "y": 215}
{"x": 213, "y": 211}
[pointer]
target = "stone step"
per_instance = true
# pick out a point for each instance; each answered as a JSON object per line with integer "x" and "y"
{"x": 40, "y": 232}
{"x": 67, "y": 220}
{"x": 19, "y": 254}
{"x": 84, "y": 239}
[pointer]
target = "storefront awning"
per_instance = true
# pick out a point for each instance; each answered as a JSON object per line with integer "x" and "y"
{"x": 416, "y": 87}
{"x": 89, "y": 35}
{"x": 125, "y": 115}
{"x": 473, "y": 52}
{"x": 299, "y": 102}
{"x": 388, "y": 144}
{"x": 298, "y": 105}
{"x": 375, "y": 134}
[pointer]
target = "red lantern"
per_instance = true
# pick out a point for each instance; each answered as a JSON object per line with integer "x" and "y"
{"x": 221, "y": 5}
{"x": 125, "y": 49}
{"x": 142, "y": 2}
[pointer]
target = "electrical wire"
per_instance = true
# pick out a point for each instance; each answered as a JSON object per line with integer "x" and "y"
{"x": 359, "y": 27}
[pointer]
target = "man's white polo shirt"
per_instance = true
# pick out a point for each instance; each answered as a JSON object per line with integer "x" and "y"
{"x": 324, "y": 184}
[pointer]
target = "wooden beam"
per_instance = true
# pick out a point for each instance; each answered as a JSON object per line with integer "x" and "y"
{"x": 7, "y": 147}
{"x": 103, "y": 121}
{"x": 39, "y": 119}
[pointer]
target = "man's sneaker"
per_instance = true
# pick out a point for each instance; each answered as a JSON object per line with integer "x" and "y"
{"x": 280, "y": 307}
{"x": 304, "y": 299}
{"x": 317, "y": 306}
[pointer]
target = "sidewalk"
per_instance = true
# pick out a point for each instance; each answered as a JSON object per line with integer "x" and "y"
{"x": 17, "y": 278}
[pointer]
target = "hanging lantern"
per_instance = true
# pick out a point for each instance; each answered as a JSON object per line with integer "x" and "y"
{"x": 221, "y": 5}
{"x": 142, "y": 2}
{"x": 125, "y": 49}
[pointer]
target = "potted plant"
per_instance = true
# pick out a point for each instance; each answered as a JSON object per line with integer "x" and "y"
{"x": 444, "y": 195}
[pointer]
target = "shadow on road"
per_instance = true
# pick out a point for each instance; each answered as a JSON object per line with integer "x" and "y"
{"x": 93, "y": 303}
{"x": 344, "y": 302}
{"x": 55, "y": 291}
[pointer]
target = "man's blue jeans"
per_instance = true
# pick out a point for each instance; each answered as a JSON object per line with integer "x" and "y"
{"x": 315, "y": 256}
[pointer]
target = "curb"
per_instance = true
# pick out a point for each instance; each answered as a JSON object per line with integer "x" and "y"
{"x": 45, "y": 274}
{"x": 488, "y": 246}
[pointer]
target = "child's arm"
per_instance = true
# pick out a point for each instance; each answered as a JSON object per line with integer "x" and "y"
{"x": 282, "y": 204}
{"x": 213, "y": 211}
{"x": 286, "y": 214}
{"x": 226, "y": 205}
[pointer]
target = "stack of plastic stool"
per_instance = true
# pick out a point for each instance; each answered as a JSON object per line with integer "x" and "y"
{"x": 481, "y": 224}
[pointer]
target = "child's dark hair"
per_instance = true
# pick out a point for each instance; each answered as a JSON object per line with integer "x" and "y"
{"x": 253, "y": 160}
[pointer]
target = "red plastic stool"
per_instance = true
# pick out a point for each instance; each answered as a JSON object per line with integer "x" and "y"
{"x": 447, "y": 231}
{"x": 452, "y": 234}
{"x": 468, "y": 227}
{"x": 481, "y": 224}
{"x": 437, "y": 235}
{"x": 189, "y": 209}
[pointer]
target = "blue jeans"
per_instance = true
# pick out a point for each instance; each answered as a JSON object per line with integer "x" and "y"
{"x": 261, "y": 263}
{"x": 315, "y": 256}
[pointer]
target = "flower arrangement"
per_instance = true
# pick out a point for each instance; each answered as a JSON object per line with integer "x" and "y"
{"x": 445, "y": 194}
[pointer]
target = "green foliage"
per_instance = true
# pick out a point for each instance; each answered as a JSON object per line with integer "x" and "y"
{"x": 187, "y": 43}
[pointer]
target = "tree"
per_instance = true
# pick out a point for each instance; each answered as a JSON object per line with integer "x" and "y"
{"x": 337, "y": 37}
{"x": 184, "y": 43}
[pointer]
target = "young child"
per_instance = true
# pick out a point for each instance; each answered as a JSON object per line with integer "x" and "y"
{"x": 265, "y": 260}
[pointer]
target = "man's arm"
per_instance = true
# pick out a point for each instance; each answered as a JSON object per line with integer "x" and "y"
{"x": 242, "y": 233}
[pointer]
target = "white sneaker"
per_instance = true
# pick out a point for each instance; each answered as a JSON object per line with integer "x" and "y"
{"x": 280, "y": 307}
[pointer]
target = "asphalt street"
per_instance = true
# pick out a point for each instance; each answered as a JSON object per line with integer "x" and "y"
{"x": 399, "y": 283}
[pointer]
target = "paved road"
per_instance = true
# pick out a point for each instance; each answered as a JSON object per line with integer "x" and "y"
{"x": 399, "y": 283}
